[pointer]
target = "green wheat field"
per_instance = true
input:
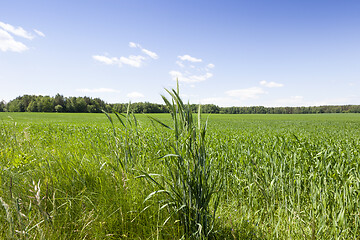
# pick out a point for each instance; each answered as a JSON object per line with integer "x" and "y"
{"x": 82, "y": 176}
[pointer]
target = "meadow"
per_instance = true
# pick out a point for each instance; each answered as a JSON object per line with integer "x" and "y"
{"x": 76, "y": 176}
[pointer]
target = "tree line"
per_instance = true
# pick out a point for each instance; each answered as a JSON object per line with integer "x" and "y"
{"x": 59, "y": 103}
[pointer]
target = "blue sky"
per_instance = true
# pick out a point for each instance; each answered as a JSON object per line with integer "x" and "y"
{"x": 230, "y": 53}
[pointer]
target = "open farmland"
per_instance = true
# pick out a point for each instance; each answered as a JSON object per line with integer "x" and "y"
{"x": 281, "y": 177}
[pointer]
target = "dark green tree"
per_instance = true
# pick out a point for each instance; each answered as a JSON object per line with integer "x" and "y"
{"x": 80, "y": 105}
{"x": 70, "y": 104}
{"x": 2, "y": 106}
{"x": 59, "y": 100}
{"x": 46, "y": 104}
{"x": 16, "y": 105}
{"x": 32, "y": 106}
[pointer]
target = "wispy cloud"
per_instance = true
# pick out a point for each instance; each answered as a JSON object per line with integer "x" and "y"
{"x": 132, "y": 60}
{"x": 271, "y": 84}
{"x": 135, "y": 95}
{"x": 190, "y": 71}
{"x": 246, "y": 93}
{"x": 105, "y": 59}
{"x": 97, "y": 90}
{"x": 180, "y": 64}
{"x": 150, "y": 53}
{"x": 210, "y": 65}
{"x": 7, "y": 40}
{"x": 176, "y": 75}
{"x": 133, "y": 45}
{"x": 18, "y": 31}
{"x": 41, "y": 34}
{"x": 8, "y": 43}
{"x": 252, "y": 92}
{"x": 189, "y": 58}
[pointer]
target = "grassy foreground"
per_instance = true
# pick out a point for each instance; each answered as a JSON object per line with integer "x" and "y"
{"x": 282, "y": 177}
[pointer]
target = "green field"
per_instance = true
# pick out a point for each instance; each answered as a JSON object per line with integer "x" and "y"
{"x": 281, "y": 176}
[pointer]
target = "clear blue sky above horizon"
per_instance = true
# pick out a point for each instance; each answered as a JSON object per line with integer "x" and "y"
{"x": 229, "y": 53}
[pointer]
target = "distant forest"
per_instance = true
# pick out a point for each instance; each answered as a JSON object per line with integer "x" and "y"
{"x": 59, "y": 103}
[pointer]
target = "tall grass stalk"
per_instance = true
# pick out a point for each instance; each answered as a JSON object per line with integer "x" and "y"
{"x": 189, "y": 185}
{"x": 125, "y": 137}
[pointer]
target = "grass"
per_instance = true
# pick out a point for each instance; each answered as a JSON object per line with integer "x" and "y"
{"x": 191, "y": 181}
{"x": 282, "y": 177}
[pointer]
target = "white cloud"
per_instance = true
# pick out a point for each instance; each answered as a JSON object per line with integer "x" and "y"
{"x": 150, "y": 53}
{"x": 190, "y": 73}
{"x": 134, "y": 61}
{"x": 133, "y": 45}
{"x": 8, "y": 43}
{"x": 97, "y": 90}
{"x": 18, "y": 31}
{"x": 180, "y": 64}
{"x": 200, "y": 78}
{"x": 135, "y": 95}
{"x": 247, "y": 93}
{"x": 189, "y": 58}
{"x": 210, "y": 65}
{"x": 105, "y": 59}
{"x": 41, "y": 34}
{"x": 271, "y": 84}
{"x": 176, "y": 75}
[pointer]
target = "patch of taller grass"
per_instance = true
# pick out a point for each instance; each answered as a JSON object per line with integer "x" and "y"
{"x": 189, "y": 184}
{"x": 64, "y": 186}
{"x": 127, "y": 140}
